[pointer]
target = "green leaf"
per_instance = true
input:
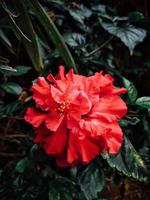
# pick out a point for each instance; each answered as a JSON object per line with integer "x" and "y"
{"x": 3, "y": 60}
{"x": 74, "y": 39}
{"x": 12, "y": 88}
{"x": 54, "y": 194}
{"x": 57, "y": 4}
{"x": 128, "y": 161}
{"x": 129, "y": 121}
{"x": 17, "y": 30}
{"x": 53, "y": 33}
{"x": 77, "y": 15}
{"x": 22, "y": 165}
{"x": 128, "y": 34}
{"x": 135, "y": 16}
{"x": 5, "y": 40}
{"x": 9, "y": 109}
{"x": 99, "y": 8}
{"x": 85, "y": 11}
{"x": 5, "y": 69}
{"x": 91, "y": 181}
{"x": 61, "y": 188}
{"x": 23, "y": 29}
{"x": 144, "y": 102}
{"x": 10, "y": 7}
{"x": 20, "y": 70}
{"x": 132, "y": 91}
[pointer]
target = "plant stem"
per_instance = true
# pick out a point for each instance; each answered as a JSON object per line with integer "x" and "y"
{"x": 100, "y": 47}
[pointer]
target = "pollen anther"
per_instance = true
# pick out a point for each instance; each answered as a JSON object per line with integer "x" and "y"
{"x": 63, "y": 107}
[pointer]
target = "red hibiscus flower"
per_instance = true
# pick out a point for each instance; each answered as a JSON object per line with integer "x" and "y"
{"x": 76, "y": 117}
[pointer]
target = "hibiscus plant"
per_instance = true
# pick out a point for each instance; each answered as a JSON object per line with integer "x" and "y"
{"x": 73, "y": 124}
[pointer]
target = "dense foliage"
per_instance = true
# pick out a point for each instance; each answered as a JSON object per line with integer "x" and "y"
{"x": 112, "y": 36}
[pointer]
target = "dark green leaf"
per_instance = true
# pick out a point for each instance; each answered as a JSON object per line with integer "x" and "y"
{"x": 61, "y": 188}
{"x": 77, "y": 15}
{"x": 4, "y": 38}
{"x": 53, "y": 33}
{"x": 57, "y": 4}
{"x": 17, "y": 29}
{"x": 144, "y": 102}
{"x": 128, "y": 161}
{"x": 132, "y": 91}
{"x": 12, "y": 88}
{"x": 3, "y": 60}
{"x": 123, "y": 122}
{"x": 91, "y": 181}
{"x": 20, "y": 70}
{"x": 22, "y": 165}
{"x": 129, "y": 121}
{"x": 22, "y": 26}
{"x": 128, "y": 34}
{"x": 54, "y": 194}
{"x": 135, "y": 16}
{"x": 85, "y": 11}
{"x": 99, "y": 8}
{"x": 53, "y": 54}
{"x": 9, "y": 109}
{"x": 10, "y": 7}
{"x": 74, "y": 39}
{"x": 5, "y": 69}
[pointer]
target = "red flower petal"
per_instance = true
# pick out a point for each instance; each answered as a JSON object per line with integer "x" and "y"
{"x": 62, "y": 161}
{"x": 56, "y": 94}
{"x": 41, "y": 133}
{"x": 112, "y": 105}
{"x": 61, "y": 73}
{"x": 80, "y": 105}
{"x": 70, "y": 75}
{"x": 83, "y": 150}
{"x": 55, "y": 143}
{"x": 41, "y": 93}
{"x": 53, "y": 121}
{"x": 93, "y": 127}
{"x": 114, "y": 138}
{"x": 89, "y": 149}
{"x": 72, "y": 153}
{"x": 34, "y": 117}
{"x": 118, "y": 91}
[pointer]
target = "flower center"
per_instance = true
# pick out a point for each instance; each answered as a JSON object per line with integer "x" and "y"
{"x": 63, "y": 107}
